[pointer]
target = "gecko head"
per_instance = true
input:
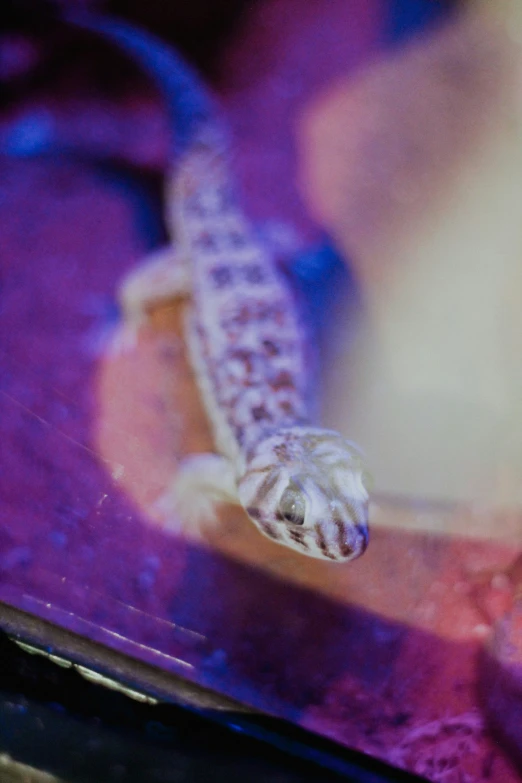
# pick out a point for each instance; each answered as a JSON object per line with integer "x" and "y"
{"x": 306, "y": 488}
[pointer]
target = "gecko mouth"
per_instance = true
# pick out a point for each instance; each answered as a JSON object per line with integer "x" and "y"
{"x": 313, "y": 542}
{"x": 346, "y": 542}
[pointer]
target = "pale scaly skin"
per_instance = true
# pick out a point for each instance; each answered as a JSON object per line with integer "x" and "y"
{"x": 304, "y": 487}
{"x": 301, "y": 486}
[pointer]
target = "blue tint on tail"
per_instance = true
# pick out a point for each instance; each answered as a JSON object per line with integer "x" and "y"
{"x": 190, "y": 107}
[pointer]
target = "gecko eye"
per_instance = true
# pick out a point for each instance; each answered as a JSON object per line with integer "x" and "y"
{"x": 292, "y": 507}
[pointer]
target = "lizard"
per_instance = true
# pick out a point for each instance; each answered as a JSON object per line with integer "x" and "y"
{"x": 303, "y": 486}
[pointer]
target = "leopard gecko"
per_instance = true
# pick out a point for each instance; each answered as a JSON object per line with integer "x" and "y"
{"x": 302, "y": 486}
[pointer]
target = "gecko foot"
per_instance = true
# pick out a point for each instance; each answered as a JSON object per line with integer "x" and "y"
{"x": 190, "y": 502}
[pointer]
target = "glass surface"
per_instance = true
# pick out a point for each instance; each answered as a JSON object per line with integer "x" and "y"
{"x": 409, "y": 160}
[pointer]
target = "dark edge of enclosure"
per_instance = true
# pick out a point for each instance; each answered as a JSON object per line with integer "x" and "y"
{"x": 36, "y": 673}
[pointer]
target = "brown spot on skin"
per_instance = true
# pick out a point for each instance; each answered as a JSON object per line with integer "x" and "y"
{"x": 243, "y": 355}
{"x": 249, "y": 360}
{"x": 268, "y": 484}
{"x": 283, "y": 380}
{"x": 281, "y": 451}
{"x": 246, "y": 314}
{"x": 271, "y": 348}
{"x": 244, "y": 380}
{"x": 297, "y": 536}
{"x": 322, "y": 543}
{"x": 260, "y": 413}
{"x": 287, "y": 407}
{"x": 272, "y": 312}
{"x": 269, "y": 530}
{"x": 345, "y": 549}
{"x": 260, "y": 470}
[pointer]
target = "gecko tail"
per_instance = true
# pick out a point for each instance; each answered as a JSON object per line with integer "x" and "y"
{"x": 191, "y": 107}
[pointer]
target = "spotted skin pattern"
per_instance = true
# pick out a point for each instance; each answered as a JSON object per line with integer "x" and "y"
{"x": 244, "y": 318}
{"x": 301, "y": 486}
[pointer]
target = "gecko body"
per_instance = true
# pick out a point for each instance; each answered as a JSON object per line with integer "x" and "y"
{"x": 301, "y": 486}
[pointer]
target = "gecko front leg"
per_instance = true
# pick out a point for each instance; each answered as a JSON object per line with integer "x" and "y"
{"x": 162, "y": 275}
{"x": 202, "y": 481}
